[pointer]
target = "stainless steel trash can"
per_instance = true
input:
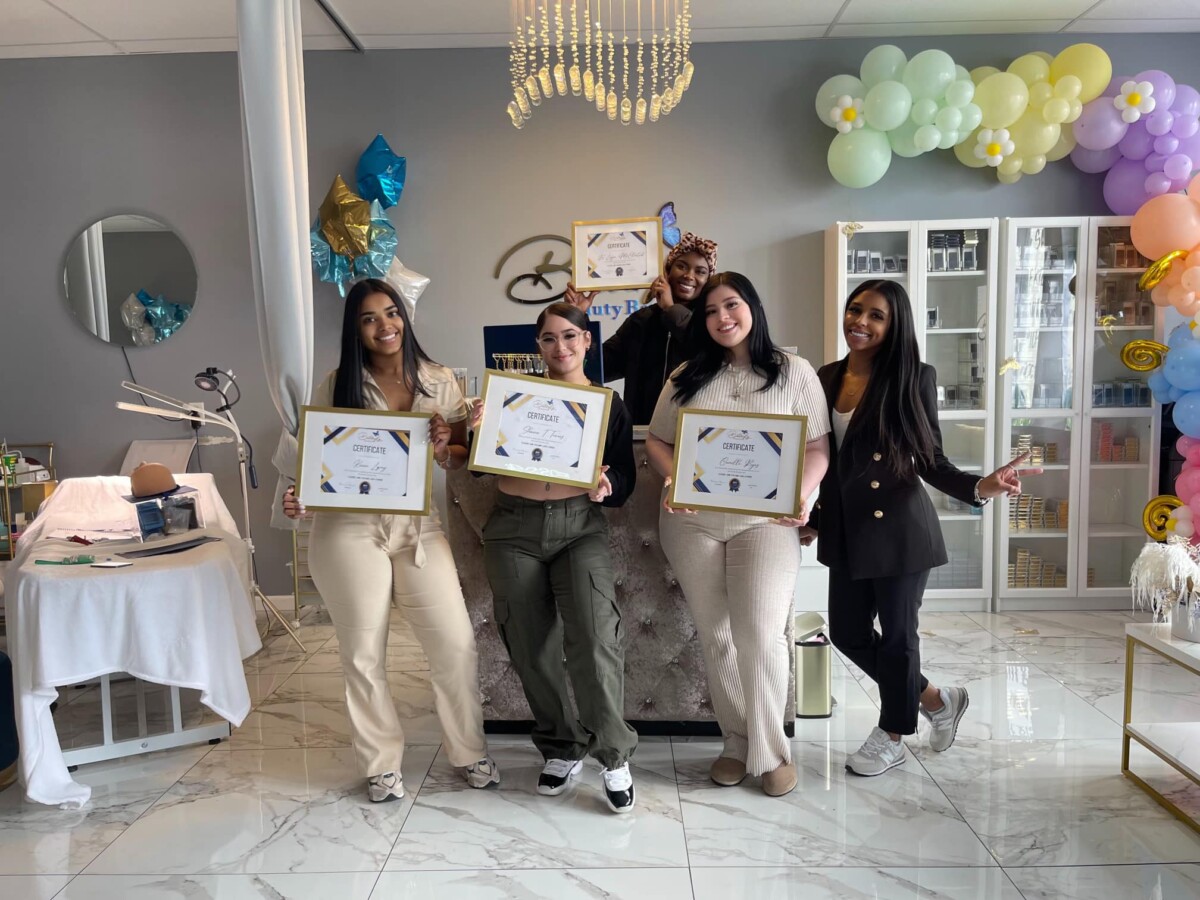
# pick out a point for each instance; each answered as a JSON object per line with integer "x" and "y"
{"x": 814, "y": 668}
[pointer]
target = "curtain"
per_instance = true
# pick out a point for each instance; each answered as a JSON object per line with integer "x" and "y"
{"x": 271, "y": 77}
{"x": 93, "y": 300}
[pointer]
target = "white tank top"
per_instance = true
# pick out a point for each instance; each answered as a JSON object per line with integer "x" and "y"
{"x": 841, "y": 422}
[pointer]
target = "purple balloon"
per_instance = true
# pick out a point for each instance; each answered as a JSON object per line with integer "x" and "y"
{"x": 1180, "y": 185}
{"x": 1125, "y": 187}
{"x": 1157, "y": 183}
{"x": 1159, "y": 122}
{"x": 1094, "y": 161}
{"x": 1166, "y": 145}
{"x": 1187, "y": 100}
{"x": 1190, "y": 146}
{"x": 1154, "y": 162}
{"x": 1185, "y": 126}
{"x": 1164, "y": 87}
{"x": 1100, "y": 125}
{"x": 1178, "y": 167}
{"x": 1137, "y": 143}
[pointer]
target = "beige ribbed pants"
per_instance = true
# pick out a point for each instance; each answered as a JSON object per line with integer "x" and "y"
{"x": 739, "y": 576}
{"x": 360, "y": 563}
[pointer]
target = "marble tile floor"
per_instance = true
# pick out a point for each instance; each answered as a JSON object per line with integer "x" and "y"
{"x": 1029, "y": 803}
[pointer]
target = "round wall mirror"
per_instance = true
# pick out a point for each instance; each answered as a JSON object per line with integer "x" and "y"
{"x": 130, "y": 280}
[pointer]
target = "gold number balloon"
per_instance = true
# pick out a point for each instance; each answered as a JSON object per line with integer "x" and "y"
{"x": 1143, "y": 355}
{"x": 1158, "y": 270}
{"x": 1157, "y": 514}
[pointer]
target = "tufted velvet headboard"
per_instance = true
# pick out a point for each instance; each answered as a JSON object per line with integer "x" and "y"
{"x": 665, "y": 687}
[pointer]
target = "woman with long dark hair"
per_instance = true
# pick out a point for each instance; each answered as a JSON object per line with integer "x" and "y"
{"x": 361, "y": 563}
{"x": 738, "y": 572}
{"x": 879, "y": 533}
{"x": 548, "y": 561}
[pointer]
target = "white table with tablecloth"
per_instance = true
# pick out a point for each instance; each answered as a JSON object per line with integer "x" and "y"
{"x": 183, "y": 619}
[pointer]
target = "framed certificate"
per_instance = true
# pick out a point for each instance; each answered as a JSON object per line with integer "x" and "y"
{"x": 365, "y": 461}
{"x": 738, "y": 462}
{"x": 616, "y": 254}
{"x": 541, "y": 429}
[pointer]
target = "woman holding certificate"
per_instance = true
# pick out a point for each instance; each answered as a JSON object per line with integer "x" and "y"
{"x": 653, "y": 341}
{"x": 738, "y": 571}
{"x": 362, "y": 563}
{"x": 879, "y": 533}
{"x": 546, "y": 549}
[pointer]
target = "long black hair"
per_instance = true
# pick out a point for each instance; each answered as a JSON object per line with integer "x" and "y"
{"x": 765, "y": 358}
{"x": 347, "y": 388}
{"x": 891, "y": 409}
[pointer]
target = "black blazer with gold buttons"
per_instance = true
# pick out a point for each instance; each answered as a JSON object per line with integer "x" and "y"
{"x": 870, "y": 522}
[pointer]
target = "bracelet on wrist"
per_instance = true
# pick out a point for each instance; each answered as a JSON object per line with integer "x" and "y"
{"x": 980, "y": 501}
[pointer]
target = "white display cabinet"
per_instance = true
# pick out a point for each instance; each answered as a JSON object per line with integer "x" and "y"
{"x": 1070, "y": 304}
{"x": 949, "y": 268}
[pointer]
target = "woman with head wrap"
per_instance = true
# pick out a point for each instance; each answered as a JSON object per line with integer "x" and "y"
{"x": 652, "y": 342}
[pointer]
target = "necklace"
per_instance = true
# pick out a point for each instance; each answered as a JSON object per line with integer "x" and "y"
{"x": 741, "y": 379}
{"x": 854, "y": 392}
{"x": 391, "y": 379}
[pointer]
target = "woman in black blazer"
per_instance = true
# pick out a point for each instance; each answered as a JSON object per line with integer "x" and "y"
{"x": 879, "y": 533}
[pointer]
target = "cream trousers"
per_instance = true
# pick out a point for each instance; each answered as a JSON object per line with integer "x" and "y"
{"x": 739, "y": 576}
{"x": 361, "y": 564}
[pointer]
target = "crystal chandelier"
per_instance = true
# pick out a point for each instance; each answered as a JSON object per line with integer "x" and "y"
{"x": 652, "y": 39}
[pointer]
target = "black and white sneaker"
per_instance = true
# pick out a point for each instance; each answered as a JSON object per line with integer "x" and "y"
{"x": 385, "y": 787}
{"x": 618, "y": 788}
{"x": 557, "y": 774}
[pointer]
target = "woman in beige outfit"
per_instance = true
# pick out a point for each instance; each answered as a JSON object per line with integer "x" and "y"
{"x": 362, "y": 563}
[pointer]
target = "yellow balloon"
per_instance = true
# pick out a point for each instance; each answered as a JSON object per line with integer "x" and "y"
{"x": 1030, "y": 68}
{"x": 982, "y": 72}
{"x": 1061, "y": 150}
{"x": 1002, "y": 98}
{"x": 1010, "y": 165}
{"x": 1048, "y": 57}
{"x": 1040, "y": 93}
{"x": 1008, "y": 178}
{"x": 1089, "y": 64}
{"x": 1033, "y": 135}
{"x": 966, "y": 152}
{"x": 1031, "y": 165}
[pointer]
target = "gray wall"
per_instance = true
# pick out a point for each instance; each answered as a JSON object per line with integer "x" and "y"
{"x": 743, "y": 158}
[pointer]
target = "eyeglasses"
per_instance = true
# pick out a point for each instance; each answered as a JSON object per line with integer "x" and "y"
{"x": 569, "y": 339}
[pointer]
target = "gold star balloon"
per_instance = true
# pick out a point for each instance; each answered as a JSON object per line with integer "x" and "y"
{"x": 345, "y": 220}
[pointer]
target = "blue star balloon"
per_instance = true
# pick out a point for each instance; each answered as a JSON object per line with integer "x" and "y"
{"x": 380, "y": 173}
{"x": 332, "y": 268}
{"x": 382, "y": 247}
{"x": 670, "y": 228}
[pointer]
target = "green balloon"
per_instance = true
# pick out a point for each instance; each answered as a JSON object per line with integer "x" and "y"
{"x": 860, "y": 157}
{"x": 885, "y": 63}
{"x": 887, "y": 105}
{"x": 837, "y": 86}
{"x": 929, "y": 73}
{"x": 902, "y": 140}
{"x": 924, "y": 111}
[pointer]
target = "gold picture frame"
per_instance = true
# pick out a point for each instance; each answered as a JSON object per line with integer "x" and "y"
{"x": 532, "y": 425}
{"x": 376, "y": 448}
{"x": 616, "y": 254}
{"x": 743, "y": 463}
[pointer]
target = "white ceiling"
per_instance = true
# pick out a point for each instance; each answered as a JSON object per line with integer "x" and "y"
{"x": 33, "y": 28}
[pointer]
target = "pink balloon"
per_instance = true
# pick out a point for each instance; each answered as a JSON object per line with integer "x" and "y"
{"x": 1187, "y": 100}
{"x": 1125, "y": 188}
{"x": 1186, "y": 444}
{"x": 1157, "y": 183}
{"x": 1191, "y": 279}
{"x": 1137, "y": 143}
{"x": 1192, "y": 456}
{"x": 1193, "y": 505}
{"x": 1177, "y": 167}
{"x": 1187, "y": 485}
{"x": 1162, "y": 224}
{"x": 1193, "y": 188}
{"x": 1160, "y": 295}
{"x": 1099, "y": 126}
{"x": 1189, "y": 306}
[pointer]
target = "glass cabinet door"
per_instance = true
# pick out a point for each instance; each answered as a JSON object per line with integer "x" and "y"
{"x": 871, "y": 254}
{"x": 964, "y": 526}
{"x": 1042, "y": 320}
{"x": 1038, "y": 524}
{"x": 955, "y": 323}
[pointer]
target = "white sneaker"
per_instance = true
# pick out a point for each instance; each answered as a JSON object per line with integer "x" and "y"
{"x": 944, "y": 722}
{"x": 557, "y": 774}
{"x": 877, "y": 755}
{"x": 618, "y": 788}
{"x": 483, "y": 773}
{"x": 385, "y": 787}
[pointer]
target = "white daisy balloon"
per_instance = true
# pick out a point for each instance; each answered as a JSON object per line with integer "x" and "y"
{"x": 847, "y": 115}
{"x": 1135, "y": 100}
{"x": 994, "y": 146}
